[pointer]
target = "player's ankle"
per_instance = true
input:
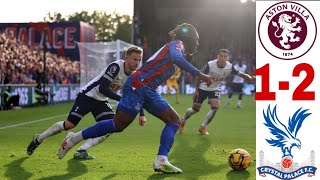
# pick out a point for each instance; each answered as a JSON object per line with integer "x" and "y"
{"x": 162, "y": 158}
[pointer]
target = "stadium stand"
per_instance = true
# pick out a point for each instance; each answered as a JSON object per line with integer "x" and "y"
{"x": 22, "y": 65}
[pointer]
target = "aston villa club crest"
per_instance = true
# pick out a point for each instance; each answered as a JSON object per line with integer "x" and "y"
{"x": 287, "y": 30}
{"x": 285, "y": 137}
{"x": 290, "y": 31}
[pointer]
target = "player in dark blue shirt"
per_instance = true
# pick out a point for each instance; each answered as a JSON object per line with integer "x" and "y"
{"x": 139, "y": 92}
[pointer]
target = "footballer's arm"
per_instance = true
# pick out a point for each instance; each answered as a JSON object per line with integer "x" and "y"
{"x": 182, "y": 63}
{"x": 245, "y": 76}
{"x": 110, "y": 73}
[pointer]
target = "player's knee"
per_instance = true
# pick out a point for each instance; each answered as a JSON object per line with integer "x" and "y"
{"x": 214, "y": 108}
{"x": 196, "y": 107}
{"x": 175, "y": 119}
{"x": 68, "y": 125}
{"x": 170, "y": 116}
{"x": 119, "y": 128}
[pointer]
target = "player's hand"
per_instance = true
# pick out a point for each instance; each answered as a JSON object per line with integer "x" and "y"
{"x": 206, "y": 78}
{"x": 142, "y": 120}
{"x": 250, "y": 79}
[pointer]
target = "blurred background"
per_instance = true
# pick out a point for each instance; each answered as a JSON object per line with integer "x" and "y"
{"x": 39, "y": 49}
{"x": 221, "y": 24}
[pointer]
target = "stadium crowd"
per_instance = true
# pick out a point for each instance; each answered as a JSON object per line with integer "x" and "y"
{"x": 241, "y": 46}
{"x": 19, "y": 64}
{"x": 22, "y": 65}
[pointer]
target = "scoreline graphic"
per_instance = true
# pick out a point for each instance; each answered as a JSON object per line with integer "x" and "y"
{"x": 287, "y": 90}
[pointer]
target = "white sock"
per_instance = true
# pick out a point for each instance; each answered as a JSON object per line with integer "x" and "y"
{"x": 53, "y": 130}
{"x": 209, "y": 117}
{"x": 76, "y": 138}
{"x": 162, "y": 158}
{"x": 239, "y": 102}
{"x": 92, "y": 142}
{"x": 189, "y": 113}
{"x": 229, "y": 101}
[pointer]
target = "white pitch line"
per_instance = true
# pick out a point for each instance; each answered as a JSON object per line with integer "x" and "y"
{"x": 30, "y": 122}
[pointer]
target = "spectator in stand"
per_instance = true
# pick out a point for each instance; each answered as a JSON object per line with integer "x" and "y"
{"x": 3, "y": 78}
{"x": 24, "y": 65}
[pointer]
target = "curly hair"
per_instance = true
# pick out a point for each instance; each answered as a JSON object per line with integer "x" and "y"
{"x": 184, "y": 31}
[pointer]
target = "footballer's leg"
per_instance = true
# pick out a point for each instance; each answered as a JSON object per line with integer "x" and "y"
{"x": 125, "y": 114}
{"x": 233, "y": 89}
{"x": 101, "y": 128}
{"x": 229, "y": 98}
{"x": 214, "y": 101}
{"x": 197, "y": 102}
{"x": 157, "y": 106}
{"x": 240, "y": 94}
{"x": 239, "y": 100}
{"x": 82, "y": 151}
{"x": 100, "y": 111}
{"x": 80, "y": 108}
{"x": 189, "y": 112}
{"x": 176, "y": 87}
{"x": 168, "y": 84}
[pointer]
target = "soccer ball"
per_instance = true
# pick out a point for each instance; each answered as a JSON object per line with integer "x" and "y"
{"x": 239, "y": 159}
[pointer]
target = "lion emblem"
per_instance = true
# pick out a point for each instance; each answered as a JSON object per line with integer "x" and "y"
{"x": 288, "y": 30}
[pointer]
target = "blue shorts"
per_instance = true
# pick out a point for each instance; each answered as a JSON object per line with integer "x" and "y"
{"x": 144, "y": 97}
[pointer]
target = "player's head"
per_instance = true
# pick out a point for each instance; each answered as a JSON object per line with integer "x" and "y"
{"x": 188, "y": 35}
{"x": 223, "y": 55}
{"x": 133, "y": 58}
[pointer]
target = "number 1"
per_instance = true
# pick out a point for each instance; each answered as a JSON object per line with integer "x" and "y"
{"x": 265, "y": 94}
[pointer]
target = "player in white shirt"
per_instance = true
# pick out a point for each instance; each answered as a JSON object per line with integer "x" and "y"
{"x": 93, "y": 97}
{"x": 219, "y": 69}
{"x": 237, "y": 83}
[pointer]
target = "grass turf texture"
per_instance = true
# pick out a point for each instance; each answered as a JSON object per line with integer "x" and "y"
{"x": 130, "y": 154}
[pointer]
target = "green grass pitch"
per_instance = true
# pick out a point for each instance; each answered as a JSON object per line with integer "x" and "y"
{"x": 130, "y": 154}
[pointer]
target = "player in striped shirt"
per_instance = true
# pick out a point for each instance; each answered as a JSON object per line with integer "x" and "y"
{"x": 140, "y": 92}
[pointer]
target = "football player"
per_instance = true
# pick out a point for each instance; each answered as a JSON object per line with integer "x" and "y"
{"x": 172, "y": 82}
{"x": 218, "y": 69}
{"x": 140, "y": 92}
{"x": 237, "y": 83}
{"x": 93, "y": 97}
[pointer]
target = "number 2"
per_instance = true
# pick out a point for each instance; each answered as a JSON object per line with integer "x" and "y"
{"x": 300, "y": 93}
